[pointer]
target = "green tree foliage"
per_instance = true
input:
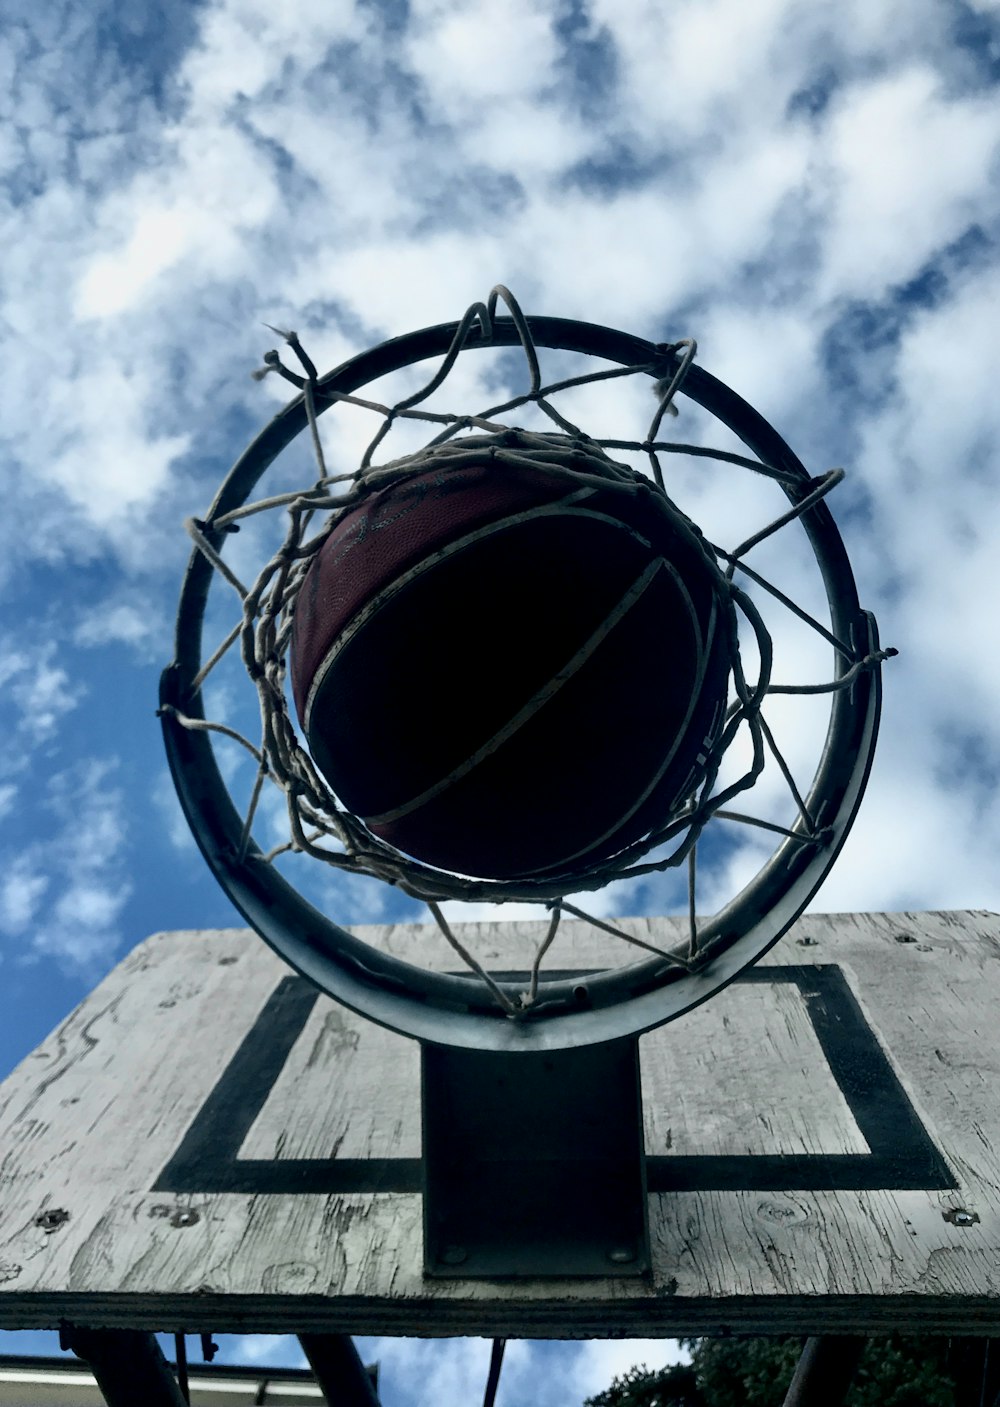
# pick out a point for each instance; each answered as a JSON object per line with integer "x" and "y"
{"x": 674, "y": 1386}
{"x": 900, "y": 1371}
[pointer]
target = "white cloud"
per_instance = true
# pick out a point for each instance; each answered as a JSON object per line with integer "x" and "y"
{"x": 720, "y": 57}
{"x": 89, "y": 906}
{"x": 756, "y": 172}
{"x": 156, "y": 228}
{"x": 544, "y": 1373}
{"x": 65, "y": 893}
{"x": 531, "y": 142}
{"x": 429, "y": 1370}
{"x": 602, "y": 1360}
{"x": 245, "y": 46}
{"x": 768, "y": 354}
{"x": 141, "y": 625}
{"x": 271, "y": 1349}
{"x": 21, "y": 893}
{"x": 113, "y": 419}
{"x": 469, "y": 59}
{"x": 356, "y": 171}
{"x": 40, "y": 689}
{"x": 908, "y": 168}
{"x": 115, "y": 282}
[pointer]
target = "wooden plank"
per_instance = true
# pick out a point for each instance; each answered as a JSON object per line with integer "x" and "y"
{"x": 763, "y": 1085}
{"x": 748, "y": 1092}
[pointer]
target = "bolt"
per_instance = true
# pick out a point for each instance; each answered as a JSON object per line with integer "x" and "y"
{"x": 184, "y": 1216}
{"x": 958, "y": 1216}
{"x": 51, "y": 1219}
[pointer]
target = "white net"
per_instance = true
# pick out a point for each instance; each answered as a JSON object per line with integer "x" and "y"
{"x": 320, "y": 827}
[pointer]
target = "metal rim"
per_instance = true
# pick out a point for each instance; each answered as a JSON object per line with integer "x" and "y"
{"x": 455, "y": 1010}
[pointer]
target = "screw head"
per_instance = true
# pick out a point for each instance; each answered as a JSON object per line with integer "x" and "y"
{"x": 51, "y": 1219}
{"x": 453, "y": 1255}
{"x": 958, "y": 1216}
{"x": 621, "y": 1255}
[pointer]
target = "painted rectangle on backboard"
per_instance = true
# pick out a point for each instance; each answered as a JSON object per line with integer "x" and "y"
{"x": 206, "y": 1141}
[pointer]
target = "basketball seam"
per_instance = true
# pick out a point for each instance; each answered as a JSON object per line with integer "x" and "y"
{"x": 563, "y": 508}
{"x": 703, "y": 653}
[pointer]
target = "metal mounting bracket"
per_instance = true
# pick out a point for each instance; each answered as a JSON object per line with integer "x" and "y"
{"x": 534, "y": 1163}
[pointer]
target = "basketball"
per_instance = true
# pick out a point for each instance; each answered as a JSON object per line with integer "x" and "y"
{"x": 506, "y": 670}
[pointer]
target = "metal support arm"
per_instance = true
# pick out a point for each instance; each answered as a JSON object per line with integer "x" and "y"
{"x": 128, "y": 1365}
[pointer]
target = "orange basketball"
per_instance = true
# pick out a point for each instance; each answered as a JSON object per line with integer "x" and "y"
{"x": 506, "y": 673}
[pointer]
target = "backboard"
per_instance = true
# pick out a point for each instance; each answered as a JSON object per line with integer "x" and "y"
{"x": 209, "y": 1143}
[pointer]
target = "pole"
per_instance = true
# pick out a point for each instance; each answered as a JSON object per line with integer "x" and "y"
{"x": 337, "y": 1367}
{"x": 825, "y": 1371}
{"x": 128, "y": 1365}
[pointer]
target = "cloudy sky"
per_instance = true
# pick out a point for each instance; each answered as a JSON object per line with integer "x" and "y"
{"x": 809, "y": 189}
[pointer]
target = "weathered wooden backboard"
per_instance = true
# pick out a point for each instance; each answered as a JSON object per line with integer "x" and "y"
{"x": 206, "y": 1143}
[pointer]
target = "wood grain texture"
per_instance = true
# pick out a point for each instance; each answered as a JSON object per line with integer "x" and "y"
{"x": 88, "y": 1122}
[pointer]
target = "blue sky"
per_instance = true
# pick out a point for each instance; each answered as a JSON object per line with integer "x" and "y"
{"x": 810, "y": 190}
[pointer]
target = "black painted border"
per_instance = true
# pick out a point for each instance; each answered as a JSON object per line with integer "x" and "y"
{"x": 903, "y": 1156}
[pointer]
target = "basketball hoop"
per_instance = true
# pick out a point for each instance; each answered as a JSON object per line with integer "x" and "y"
{"x": 533, "y": 1011}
